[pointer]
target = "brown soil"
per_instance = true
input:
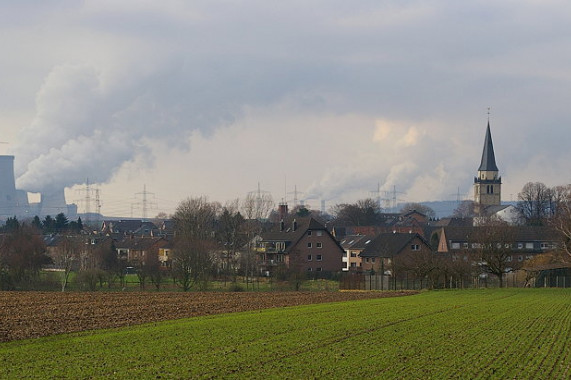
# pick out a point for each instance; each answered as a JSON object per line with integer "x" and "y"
{"x": 34, "y": 314}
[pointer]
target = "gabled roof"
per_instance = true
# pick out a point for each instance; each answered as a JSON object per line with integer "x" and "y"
{"x": 291, "y": 236}
{"x": 389, "y": 244}
{"x": 128, "y": 226}
{"x": 488, "y": 162}
{"x": 356, "y": 242}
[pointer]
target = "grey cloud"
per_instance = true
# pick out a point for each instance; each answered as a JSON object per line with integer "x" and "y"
{"x": 197, "y": 66}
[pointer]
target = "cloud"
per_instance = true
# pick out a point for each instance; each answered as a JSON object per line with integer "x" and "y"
{"x": 336, "y": 97}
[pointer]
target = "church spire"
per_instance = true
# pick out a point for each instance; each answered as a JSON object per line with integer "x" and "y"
{"x": 488, "y": 162}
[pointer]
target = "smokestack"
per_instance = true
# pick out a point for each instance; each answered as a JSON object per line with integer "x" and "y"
{"x": 8, "y": 194}
{"x": 53, "y": 203}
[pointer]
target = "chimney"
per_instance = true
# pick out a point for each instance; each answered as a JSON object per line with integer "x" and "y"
{"x": 294, "y": 225}
{"x": 282, "y": 210}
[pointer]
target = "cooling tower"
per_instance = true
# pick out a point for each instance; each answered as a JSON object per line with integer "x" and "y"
{"x": 53, "y": 203}
{"x": 8, "y": 194}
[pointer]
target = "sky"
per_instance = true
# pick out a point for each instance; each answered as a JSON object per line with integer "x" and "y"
{"x": 311, "y": 101}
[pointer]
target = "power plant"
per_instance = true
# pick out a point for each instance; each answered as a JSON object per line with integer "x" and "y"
{"x": 15, "y": 202}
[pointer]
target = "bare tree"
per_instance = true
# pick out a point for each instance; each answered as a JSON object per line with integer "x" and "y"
{"x": 194, "y": 241}
{"x": 149, "y": 267}
{"x": 364, "y": 212}
{"x": 66, "y": 256}
{"x": 466, "y": 209}
{"x": 492, "y": 245}
{"x": 534, "y": 202}
{"x": 22, "y": 255}
{"x": 562, "y": 219}
{"x": 255, "y": 207}
{"x": 232, "y": 237}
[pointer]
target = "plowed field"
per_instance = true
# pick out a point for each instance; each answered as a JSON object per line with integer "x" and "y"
{"x": 34, "y": 314}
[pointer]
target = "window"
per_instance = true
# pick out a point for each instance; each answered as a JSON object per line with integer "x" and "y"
{"x": 353, "y": 254}
{"x": 353, "y": 265}
{"x": 544, "y": 245}
{"x": 309, "y": 269}
{"x": 318, "y": 269}
{"x": 520, "y": 258}
{"x": 308, "y": 245}
{"x": 308, "y": 257}
{"x": 465, "y": 245}
{"x": 344, "y": 254}
{"x": 415, "y": 247}
{"x": 367, "y": 260}
{"x": 319, "y": 233}
{"x": 455, "y": 245}
{"x": 373, "y": 259}
{"x": 319, "y": 258}
{"x": 309, "y": 233}
{"x": 319, "y": 245}
{"x": 519, "y": 245}
{"x": 528, "y": 245}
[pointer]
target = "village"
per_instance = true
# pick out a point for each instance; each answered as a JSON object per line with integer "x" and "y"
{"x": 485, "y": 243}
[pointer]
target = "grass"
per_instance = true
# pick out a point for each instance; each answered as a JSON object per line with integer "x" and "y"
{"x": 499, "y": 333}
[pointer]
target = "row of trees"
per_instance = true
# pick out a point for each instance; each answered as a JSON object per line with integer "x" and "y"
{"x": 203, "y": 228}
{"x": 48, "y": 225}
{"x": 539, "y": 205}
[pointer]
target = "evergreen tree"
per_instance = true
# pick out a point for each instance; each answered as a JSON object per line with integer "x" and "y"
{"x": 49, "y": 224}
{"x": 37, "y": 223}
{"x": 61, "y": 222}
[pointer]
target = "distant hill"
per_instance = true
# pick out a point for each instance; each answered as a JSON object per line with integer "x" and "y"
{"x": 444, "y": 209}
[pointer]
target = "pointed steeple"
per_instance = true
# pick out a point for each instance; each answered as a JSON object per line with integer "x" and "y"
{"x": 488, "y": 162}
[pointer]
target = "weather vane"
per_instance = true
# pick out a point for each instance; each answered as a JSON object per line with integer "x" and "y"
{"x": 489, "y": 114}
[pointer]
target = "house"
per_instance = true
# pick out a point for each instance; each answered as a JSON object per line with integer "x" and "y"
{"x": 526, "y": 241}
{"x": 505, "y": 213}
{"x": 381, "y": 252}
{"x": 353, "y": 246}
{"x": 303, "y": 245}
{"x": 166, "y": 254}
{"x": 136, "y": 250}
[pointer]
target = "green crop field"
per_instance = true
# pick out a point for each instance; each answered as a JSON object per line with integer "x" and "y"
{"x": 500, "y": 333}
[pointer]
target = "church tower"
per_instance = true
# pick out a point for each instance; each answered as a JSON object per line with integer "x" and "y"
{"x": 488, "y": 184}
